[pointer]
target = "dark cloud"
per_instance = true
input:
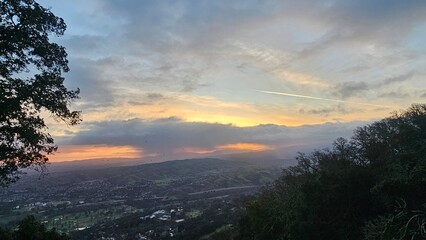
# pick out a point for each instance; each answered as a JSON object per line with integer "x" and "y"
{"x": 95, "y": 91}
{"x": 155, "y": 96}
{"x": 165, "y": 136}
{"x": 349, "y": 89}
{"x": 174, "y": 25}
{"x": 339, "y": 108}
{"x": 397, "y": 79}
{"x": 82, "y": 44}
{"x": 191, "y": 85}
{"x": 376, "y": 19}
{"x": 382, "y": 23}
{"x": 149, "y": 99}
{"x": 192, "y": 23}
{"x": 395, "y": 94}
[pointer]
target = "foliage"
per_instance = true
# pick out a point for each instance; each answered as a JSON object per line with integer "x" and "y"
{"x": 31, "y": 84}
{"x": 30, "y": 229}
{"x": 399, "y": 225}
{"x": 353, "y": 190}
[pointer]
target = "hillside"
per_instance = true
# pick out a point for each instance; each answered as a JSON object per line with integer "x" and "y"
{"x": 87, "y": 202}
{"x": 371, "y": 186}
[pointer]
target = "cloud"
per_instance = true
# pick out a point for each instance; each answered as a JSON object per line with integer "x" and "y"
{"x": 155, "y": 96}
{"x": 176, "y": 25}
{"x": 398, "y": 78}
{"x": 349, "y": 89}
{"x": 381, "y": 23}
{"x": 191, "y": 85}
{"x": 395, "y": 95}
{"x": 202, "y": 60}
{"x": 79, "y": 152}
{"x": 149, "y": 99}
{"x": 339, "y": 108}
{"x": 95, "y": 91}
{"x": 82, "y": 44}
{"x": 172, "y": 138}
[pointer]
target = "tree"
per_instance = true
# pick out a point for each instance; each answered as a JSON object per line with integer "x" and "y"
{"x": 31, "y": 84}
{"x": 30, "y": 229}
{"x": 370, "y": 187}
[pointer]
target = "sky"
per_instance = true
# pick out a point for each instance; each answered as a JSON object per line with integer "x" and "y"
{"x": 163, "y": 80}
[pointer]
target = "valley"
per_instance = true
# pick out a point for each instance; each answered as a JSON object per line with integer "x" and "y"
{"x": 184, "y": 199}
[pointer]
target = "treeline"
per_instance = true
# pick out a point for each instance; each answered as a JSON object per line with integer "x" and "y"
{"x": 372, "y": 187}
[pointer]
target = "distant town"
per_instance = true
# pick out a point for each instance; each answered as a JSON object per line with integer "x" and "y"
{"x": 196, "y": 199}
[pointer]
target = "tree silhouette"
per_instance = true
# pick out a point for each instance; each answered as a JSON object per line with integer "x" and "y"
{"x": 372, "y": 186}
{"x": 31, "y": 83}
{"x": 30, "y": 229}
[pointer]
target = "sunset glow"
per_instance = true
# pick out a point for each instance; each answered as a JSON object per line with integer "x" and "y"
{"x": 74, "y": 152}
{"x": 212, "y": 119}
{"x": 239, "y": 147}
{"x": 245, "y": 147}
{"x": 155, "y": 83}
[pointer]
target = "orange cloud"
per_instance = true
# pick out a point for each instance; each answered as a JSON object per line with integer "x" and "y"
{"x": 196, "y": 150}
{"x": 245, "y": 147}
{"x": 80, "y": 152}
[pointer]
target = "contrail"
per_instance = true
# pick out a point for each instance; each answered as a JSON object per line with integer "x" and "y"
{"x": 323, "y": 99}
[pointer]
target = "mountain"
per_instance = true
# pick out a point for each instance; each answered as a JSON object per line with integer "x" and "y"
{"x": 263, "y": 158}
{"x": 93, "y": 164}
{"x": 90, "y": 170}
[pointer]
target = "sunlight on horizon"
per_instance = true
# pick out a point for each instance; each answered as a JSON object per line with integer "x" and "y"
{"x": 150, "y": 64}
